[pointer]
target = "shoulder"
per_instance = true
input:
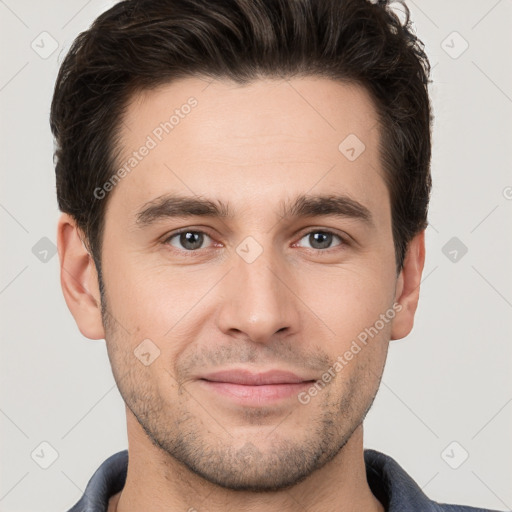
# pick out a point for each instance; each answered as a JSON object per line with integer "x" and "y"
{"x": 398, "y": 492}
{"x": 446, "y": 507}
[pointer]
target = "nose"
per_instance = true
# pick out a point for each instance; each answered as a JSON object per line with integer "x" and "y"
{"x": 258, "y": 299}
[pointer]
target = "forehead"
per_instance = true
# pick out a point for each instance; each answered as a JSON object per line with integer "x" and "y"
{"x": 259, "y": 140}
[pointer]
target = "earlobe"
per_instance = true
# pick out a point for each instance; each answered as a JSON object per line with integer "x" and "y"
{"x": 79, "y": 279}
{"x": 408, "y": 287}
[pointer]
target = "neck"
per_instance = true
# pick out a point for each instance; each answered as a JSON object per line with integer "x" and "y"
{"x": 157, "y": 482}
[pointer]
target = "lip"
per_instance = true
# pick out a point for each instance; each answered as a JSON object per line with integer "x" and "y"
{"x": 248, "y": 378}
{"x": 254, "y": 389}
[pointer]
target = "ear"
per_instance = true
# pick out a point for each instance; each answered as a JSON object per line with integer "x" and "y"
{"x": 408, "y": 287}
{"x": 79, "y": 279}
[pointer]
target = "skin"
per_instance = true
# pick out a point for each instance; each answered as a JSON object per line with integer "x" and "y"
{"x": 292, "y": 308}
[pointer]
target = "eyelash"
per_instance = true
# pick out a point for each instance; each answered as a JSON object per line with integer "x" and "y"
{"x": 196, "y": 252}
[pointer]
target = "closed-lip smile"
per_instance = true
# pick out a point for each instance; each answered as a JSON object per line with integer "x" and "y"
{"x": 255, "y": 388}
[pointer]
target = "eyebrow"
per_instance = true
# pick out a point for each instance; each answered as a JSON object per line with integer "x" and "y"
{"x": 171, "y": 205}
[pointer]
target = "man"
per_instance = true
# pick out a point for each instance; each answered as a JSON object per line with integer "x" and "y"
{"x": 244, "y": 187}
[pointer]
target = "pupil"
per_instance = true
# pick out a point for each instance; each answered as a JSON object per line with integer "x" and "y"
{"x": 191, "y": 240}
{"x": 320, "y": 238}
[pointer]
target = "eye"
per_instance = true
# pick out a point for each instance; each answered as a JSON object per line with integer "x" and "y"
{"x": 320, "y": 239}
{"x": 187, "y": 240}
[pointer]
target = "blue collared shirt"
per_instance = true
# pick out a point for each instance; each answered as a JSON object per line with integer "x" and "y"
{"x": 390, "y": 484}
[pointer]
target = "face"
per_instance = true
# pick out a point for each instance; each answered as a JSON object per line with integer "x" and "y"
{"x": 245, "y": 257}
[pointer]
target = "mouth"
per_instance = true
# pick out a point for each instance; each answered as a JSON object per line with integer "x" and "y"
{"x": 261, "y": 388}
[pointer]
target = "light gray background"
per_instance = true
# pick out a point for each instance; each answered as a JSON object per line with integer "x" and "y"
{"x": 450, "y": 380}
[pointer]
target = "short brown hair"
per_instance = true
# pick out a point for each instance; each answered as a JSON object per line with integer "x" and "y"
{"x": 140, "y": 44}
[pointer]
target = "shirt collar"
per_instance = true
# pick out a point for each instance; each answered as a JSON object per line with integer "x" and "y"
{"x": 388, "y": 481}
{"x": 393, "y": 487}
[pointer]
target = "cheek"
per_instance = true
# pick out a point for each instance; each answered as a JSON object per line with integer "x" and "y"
{"x": 150, "y": 300}
{"x": 166, "y": 306}
{"x": 349, "y": 299}
{"x": 350, "y": 303}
